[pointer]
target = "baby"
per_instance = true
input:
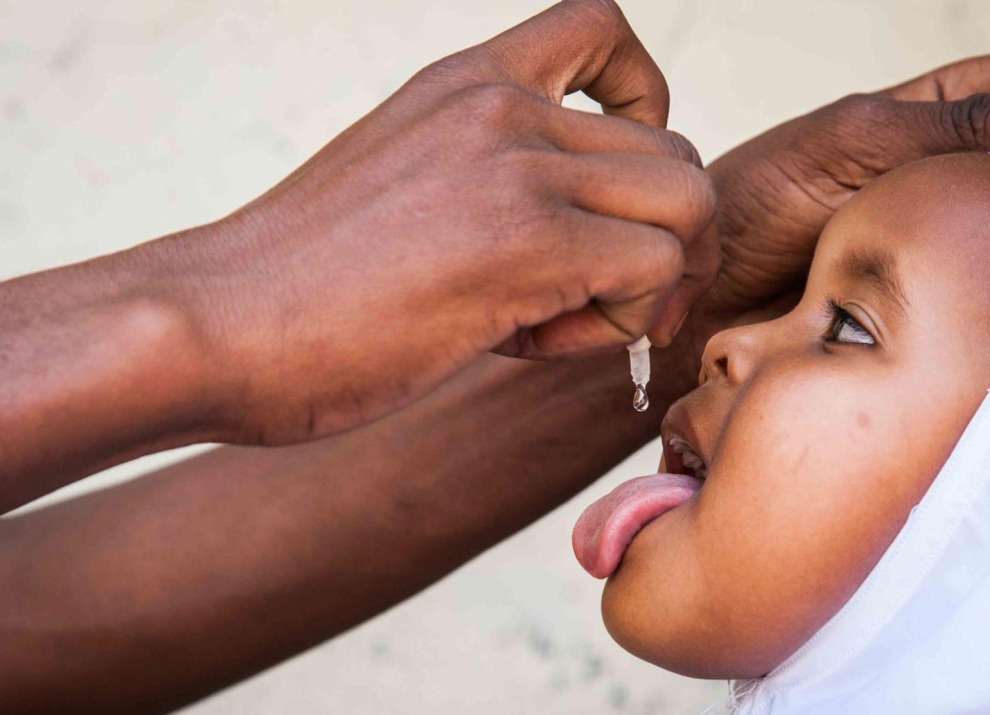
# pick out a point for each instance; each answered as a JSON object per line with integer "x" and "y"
{"x": 798, "y": 459}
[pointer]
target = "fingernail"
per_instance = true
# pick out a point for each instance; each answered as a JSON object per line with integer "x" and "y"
{"x": 680, "y": 324}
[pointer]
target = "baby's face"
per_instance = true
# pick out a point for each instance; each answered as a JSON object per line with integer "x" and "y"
{"x": 819, "y": 430}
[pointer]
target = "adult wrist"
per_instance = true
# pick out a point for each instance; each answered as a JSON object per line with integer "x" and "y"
{"x": 164, "y": 302}
{"x": 102, "y": 364}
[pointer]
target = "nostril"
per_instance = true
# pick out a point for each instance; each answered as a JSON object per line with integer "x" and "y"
{"x": 723, "y": 365}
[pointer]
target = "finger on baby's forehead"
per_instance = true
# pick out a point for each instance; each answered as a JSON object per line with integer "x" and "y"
{"x": 955, "y": 81}
{"x": 580, "y": 45}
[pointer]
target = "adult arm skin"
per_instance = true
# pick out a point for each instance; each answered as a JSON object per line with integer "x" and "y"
{"x": 203, "y": 573}
{"x": 149, "y": 595}
{"x": 468, "y": 212}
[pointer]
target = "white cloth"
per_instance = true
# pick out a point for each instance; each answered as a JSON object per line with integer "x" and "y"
{"x": 915, "y": 637}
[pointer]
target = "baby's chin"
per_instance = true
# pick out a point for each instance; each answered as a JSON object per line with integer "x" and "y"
{"x": 674, "y": 630}
{"x": 693, "y": 657}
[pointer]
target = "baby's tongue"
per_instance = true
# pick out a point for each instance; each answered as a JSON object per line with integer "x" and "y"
{"x": 606, "y": 528}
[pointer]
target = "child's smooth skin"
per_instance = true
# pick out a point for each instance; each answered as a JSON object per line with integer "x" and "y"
{"x": 820, "y": 430}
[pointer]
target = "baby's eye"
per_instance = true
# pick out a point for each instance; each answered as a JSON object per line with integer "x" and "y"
{"x": 846, "y": 329}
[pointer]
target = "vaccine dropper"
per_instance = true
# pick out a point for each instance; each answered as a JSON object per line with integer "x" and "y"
{"x": 639, "y": 367}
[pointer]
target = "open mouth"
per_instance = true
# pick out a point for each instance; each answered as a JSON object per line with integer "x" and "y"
{"x": 681, "y": 458}
{"x": 607, "y": 527}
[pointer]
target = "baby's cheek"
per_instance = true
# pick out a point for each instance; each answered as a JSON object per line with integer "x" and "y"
{"x": 813, "y": 432}
{"x": 811, "y": 480}
{"x": 809, "y": 451}
{"x": 811, "y": 483}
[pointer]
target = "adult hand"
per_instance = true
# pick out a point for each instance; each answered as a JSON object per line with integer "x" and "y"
{"x": 777, "y": 191}
{"x": 469, "y": 212}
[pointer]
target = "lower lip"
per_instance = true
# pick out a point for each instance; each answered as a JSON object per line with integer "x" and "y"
{"x": 607, "y": 527}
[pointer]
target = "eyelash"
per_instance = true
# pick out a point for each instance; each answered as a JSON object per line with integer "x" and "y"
{"x": 840, "y": 317}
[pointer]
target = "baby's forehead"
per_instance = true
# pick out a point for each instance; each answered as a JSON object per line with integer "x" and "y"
{"x": 929, "y": 213}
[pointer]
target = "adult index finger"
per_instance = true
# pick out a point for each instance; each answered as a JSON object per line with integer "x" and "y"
{"x": 577, "y": 45}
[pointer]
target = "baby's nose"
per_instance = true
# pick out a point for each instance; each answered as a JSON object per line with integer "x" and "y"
{"x": 731, "y": 355}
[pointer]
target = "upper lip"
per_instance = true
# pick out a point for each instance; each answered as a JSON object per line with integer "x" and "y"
{"x": 682, "y": 450}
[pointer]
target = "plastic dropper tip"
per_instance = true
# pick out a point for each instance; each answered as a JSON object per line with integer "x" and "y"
{"x": 639, "y": 368}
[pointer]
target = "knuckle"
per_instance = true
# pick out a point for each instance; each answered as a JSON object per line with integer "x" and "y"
{"x": 448, "y": 70}
{"x": 487, "y": 105}
{"x": 867, "y": 108}
{"x": 698, "y": 201}
{"x": 521, "y": 169}
{"x": 433, "y": 71}
{"x": 968, "y": 120}
{"x": 679, "y": 146}
{"x": 857, "y": 122}
{"x": 604, "y": 11}
{"x": 523, "y": 222}
{"x": 668, "y": 257}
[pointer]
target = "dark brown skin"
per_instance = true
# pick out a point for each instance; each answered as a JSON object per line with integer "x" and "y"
{"x": 156, "y": 593}
{"x": 147, "y": 596}
{"x": 776, "y": 192}
{"x": 468, "y": 212}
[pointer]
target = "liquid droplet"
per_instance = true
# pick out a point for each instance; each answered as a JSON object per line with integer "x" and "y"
{"x": 641, "y": 401}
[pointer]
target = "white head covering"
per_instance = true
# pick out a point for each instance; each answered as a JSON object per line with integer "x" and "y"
{"x": 915, "y": 637}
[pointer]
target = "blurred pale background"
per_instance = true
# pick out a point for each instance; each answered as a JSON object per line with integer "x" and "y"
{"x": 123, "y": 120}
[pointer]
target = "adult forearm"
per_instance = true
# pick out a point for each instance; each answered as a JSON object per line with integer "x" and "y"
{"x": 100, "y": 362}
{"x": 203, "y": 573}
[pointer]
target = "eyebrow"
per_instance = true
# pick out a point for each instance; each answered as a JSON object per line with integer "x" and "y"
{"x": 879, "y": 268}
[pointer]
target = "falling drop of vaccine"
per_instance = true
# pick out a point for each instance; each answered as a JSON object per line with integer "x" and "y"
{"x": 641, "y": 401}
